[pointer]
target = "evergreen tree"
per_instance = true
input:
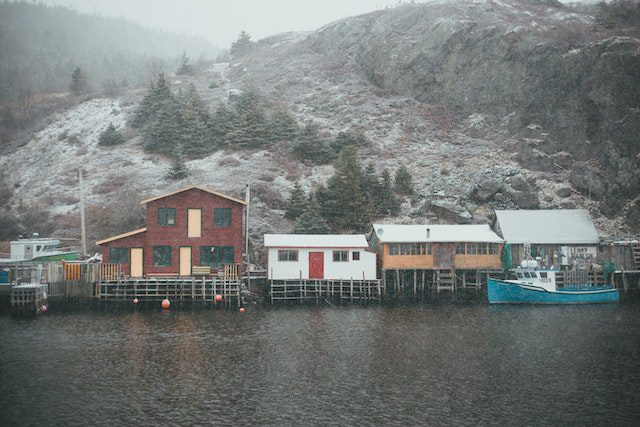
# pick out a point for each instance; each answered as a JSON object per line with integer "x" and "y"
{"x": 158, "y": 96}
{"x": 388, "y": 202}
{"x": 78, "y": 82}
{"x": 193, "y": 121}
{"x": 403, "y": 181}
{"x": 282, "y": 127}
{"x": 111, "y": 136}
{"x": 250, "y": 128}
{"x": 296, "y": 203}
{"x": 185, "y": 66}
{"x": 311, "y": 146}
{"x": 162, "y": 132}
{"x": 372, "y": 189}
{"x": 345, "y": 139}
{"x": 222, "y": 122}
{"x": 311, "y": 220}
{"x": 178, "y": 169}
{"x": 346, "y": 204}
{"x": 241, "y": 46}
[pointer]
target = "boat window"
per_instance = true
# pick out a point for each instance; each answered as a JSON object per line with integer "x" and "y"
{"x": 38, "y": 248}
{"x": 543, "y": 274}
{"x": 527, "y": 275}
{"x": 519, "y": 275}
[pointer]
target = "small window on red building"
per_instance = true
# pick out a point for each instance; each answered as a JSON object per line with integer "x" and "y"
{"x": 222, "y": 217}
{"x": 166, "y": 216}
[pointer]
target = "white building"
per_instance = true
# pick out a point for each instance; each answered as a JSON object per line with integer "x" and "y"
{"x": 319, "y": 256}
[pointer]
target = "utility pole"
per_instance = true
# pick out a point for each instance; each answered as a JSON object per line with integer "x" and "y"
{"x": 83, "y": 233}
{"x": 246, "y": 235}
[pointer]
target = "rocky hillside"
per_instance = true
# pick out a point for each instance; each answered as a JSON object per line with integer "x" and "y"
{"x": 490, "y": 104}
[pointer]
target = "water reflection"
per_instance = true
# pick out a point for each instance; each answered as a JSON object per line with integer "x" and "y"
{"x": 448, "y": 363}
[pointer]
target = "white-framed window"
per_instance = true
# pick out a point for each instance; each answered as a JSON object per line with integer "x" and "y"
{"x": 340, "y": 256}
{"x": 287, "y": 255}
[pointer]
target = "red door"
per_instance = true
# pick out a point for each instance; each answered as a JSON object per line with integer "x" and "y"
{"x": 316, "y": 265}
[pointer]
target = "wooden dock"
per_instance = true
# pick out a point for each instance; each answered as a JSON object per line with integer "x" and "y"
{"x": 176, "y": 289}
{"x": 27, "y": 299}
{"x": 320, "y": 291}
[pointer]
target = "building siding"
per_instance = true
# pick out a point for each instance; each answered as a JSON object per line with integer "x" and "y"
{"x": 176, "y": 236}
{"x": 365, "y": 268}
{"x": 426, "y": 262}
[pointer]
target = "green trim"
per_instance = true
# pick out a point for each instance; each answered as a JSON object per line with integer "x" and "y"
{"x": 166, "y": 217}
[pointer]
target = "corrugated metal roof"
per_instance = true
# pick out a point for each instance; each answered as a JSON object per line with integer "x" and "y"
{"x": 405, "y": 233}
{"x": 315, "y": 240}
{"x": 547, "y": 226}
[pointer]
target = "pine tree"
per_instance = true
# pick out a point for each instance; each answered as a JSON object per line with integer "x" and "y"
{"x": 157, "y": 97}
{"x": 282, "y": 126}
{"x": 193, "y": 120}
{"x": 296, "y": 203}
{"x": 250, "y": 129}
{"x": 348, "y": 138}
{"x": 241, "y": 46}
{"x": 178, "y": 169}
{"x": 78, "y": 82}
{"x": 311, "y": 220}
{"x": 185, "y": 66}
{"x": 345, "y": 203}
{"x": 388, "y": 202}
{"x": 403, "y": 181}
{"x": 162, "y": 132}
{"x": 110, "y": 136}
{"x": 372, "y": 189}
{"x": 222, "y": 122}
{"x": 311, "y": 146}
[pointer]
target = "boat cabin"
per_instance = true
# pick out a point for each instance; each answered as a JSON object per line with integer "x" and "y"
{"x": 38, "y": 249}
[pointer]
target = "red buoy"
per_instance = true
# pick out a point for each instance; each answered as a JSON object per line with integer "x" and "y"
{"x": 241, "y": 309}
{"x": 43, "y": 308}
{"x": 166, "y": 304}
{"x": 135, "y": 300}
{"x": 218, "y": 297}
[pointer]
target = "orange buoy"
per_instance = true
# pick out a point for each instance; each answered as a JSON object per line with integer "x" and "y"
{"x": 241, "y": 309}
{"x": 166, "y": 304}
{"x": 43, "y": 308}
{"x": 136, "y": 300}
{"x": 218, "y": 297}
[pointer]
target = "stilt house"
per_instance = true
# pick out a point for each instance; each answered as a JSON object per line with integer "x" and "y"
{"x": 557, "y": 237}
{"x": 319, "y": 256}
{"x": 436, "y": 247}
{"x": 189, "y": 230}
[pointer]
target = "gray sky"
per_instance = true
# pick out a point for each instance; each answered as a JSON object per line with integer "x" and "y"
{"x": 220, "y": 21}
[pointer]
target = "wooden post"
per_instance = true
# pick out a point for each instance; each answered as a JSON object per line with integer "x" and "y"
{"x": 415, "y": 282}
{"x": 397, "y": 282}
{"x": 351, "y": 290}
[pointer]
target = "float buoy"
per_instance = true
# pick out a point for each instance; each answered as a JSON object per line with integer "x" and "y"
{"x": 166, "y": 304}
{"x": 43, "y": 308}
{"x": 135, "y": 300}
{"x": 241, "y": 309}
{"x": 218, "y": 297}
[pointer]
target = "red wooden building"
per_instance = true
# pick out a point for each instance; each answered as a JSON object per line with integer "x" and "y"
{"x": 185, "y": 228}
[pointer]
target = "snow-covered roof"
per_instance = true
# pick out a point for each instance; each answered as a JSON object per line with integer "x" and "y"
{"x": 224, "y": 196}
{"x": 406, "y": 233}
{"x": 121, "y": 236}
{"x": 315, "y": 241}
{"x": 547, "y": 226}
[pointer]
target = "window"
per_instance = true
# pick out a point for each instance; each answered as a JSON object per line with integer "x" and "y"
{"x": 340, "y": 256}
{"x": 410, "y": 249}
{"x": 222, "y": 217}
{"x": 166, "y": 216}
{"x": 460, "y": 250}
{"x": 543, "y": 274}
{"x": 472, "y": 248}
{"x": 355, "y": 255}
{"x": 216, "y": 256}
{"x": 162, "y": 256}
{"x": 287, "y": 255}
{"x": 482, "y": 248}
{"x": 119, "y": 255}
{"x": 493, "y": 249}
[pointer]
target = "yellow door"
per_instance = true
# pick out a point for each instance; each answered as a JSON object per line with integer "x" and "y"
{"x": 137, "y": 260}
{"x": 185, "y": 261}
{"x": 194, "y": 222}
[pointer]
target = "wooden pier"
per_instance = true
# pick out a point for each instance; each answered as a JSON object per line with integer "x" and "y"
{"x": 27, "y": 299}
{"x": 177, "y": 289}
{"x": 320, "y": 291}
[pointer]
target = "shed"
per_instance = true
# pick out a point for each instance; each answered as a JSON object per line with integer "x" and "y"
{"x": 556, "y": 236}
{"x": 319, "y": 256}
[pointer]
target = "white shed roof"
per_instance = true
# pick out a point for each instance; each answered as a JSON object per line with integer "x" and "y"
{"x": 315, "y": 241}
{"x": 405, "y": 233}
{"x": 547, "y": 226}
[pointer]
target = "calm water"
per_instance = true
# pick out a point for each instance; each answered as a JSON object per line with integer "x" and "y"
{"x": 435, "y": 364}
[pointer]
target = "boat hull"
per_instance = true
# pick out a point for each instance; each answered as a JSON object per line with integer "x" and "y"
{"x": 501, "y": 292}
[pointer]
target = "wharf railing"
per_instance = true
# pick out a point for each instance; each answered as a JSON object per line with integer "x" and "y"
{"x": 316, "y": 290}
{"x": 179, "y": 288}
